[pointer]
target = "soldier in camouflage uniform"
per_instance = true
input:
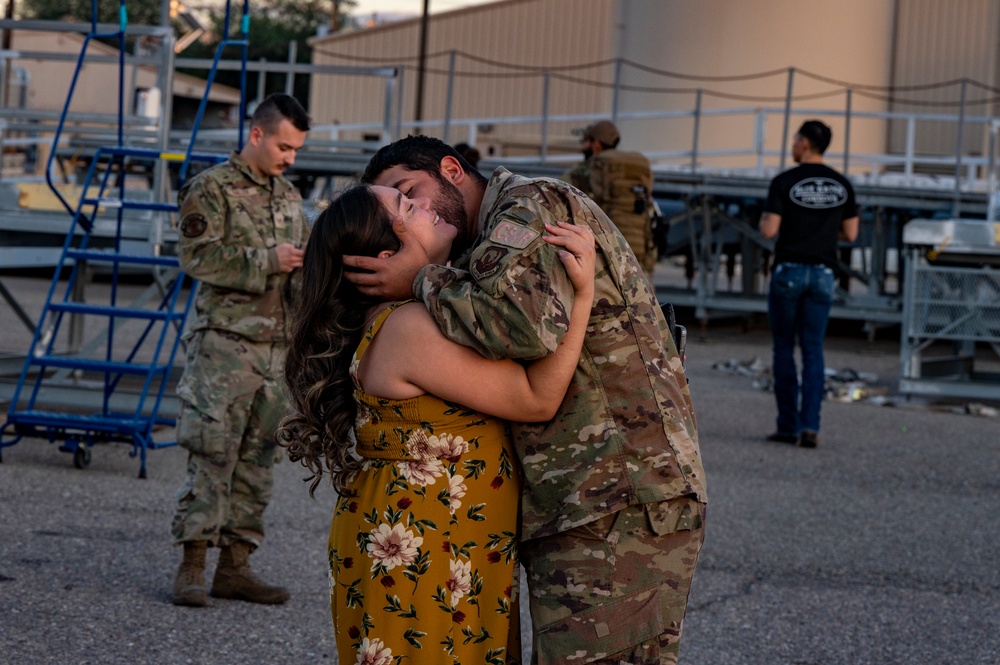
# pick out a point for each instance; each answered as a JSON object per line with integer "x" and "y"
{"x": 621, "y": 183}
{"x": 241, "y": 230}
{"x": 613, "y": 505}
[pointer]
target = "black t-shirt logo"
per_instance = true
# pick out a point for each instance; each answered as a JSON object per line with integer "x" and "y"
{"x": 819, "y": 193}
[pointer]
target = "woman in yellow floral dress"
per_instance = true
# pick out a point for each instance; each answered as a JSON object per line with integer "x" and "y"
{"x": 423, "y": 544}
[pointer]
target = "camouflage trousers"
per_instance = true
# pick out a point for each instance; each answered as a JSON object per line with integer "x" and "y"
{"x": 232, "y": 399}
{"x": 615, "y": 590}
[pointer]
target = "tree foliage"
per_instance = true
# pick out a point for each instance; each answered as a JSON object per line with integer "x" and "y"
{"x": 274, "y": 25}
{"x": 140, "y": 12}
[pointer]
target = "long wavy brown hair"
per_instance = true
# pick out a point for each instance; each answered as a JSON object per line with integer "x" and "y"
{"x": 327, "y": 325}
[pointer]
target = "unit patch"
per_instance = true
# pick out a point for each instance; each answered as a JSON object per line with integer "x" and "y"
{"x": 193, "y": 225}
{"x": 512, "y": 235}
{"x": 489, "y": 262}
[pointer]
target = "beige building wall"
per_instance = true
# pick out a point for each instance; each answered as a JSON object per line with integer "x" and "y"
{"x": 97, "y": 88}
{"x": 734, "y": 42}
{"x": 738, "y": 53}
{"x": 945, "y": 41}
{"x": 48, "y": 82}
{"x": 96, "y": 92}
{"x": 510, "y": 43}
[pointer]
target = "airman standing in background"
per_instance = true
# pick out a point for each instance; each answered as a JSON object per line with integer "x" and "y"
{"x": 241, "y": 230}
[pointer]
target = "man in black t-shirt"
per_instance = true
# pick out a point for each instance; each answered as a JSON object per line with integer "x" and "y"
{"x": 813, "y": 206}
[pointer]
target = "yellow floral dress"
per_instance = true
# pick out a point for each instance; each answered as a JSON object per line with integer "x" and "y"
{"x": 423, "y": 552}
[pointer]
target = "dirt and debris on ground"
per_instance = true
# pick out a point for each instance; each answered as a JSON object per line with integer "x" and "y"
{"x": 850, "y": 385}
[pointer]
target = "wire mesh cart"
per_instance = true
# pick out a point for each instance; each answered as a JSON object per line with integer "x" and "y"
{"x": 950, "y": 338}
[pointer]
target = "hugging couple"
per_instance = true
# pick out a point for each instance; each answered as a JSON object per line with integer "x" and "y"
{"x": 482, "y": 369}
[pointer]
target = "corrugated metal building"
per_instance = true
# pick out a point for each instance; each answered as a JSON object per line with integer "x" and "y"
{"x": 501, "y": 51}
{"x": 41, "y": 78}
{"x": 661, "y": 53}
{"x": 942, "y": 43}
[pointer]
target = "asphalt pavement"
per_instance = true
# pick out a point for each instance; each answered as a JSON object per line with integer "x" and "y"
{"x": 881, "y": 546}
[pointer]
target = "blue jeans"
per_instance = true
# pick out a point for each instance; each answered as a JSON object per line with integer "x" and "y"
{"x": 798, "y": 306}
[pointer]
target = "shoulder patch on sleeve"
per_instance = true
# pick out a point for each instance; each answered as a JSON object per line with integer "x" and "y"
{"x": 512, "y": 235}
{"x": 193, "y": 225}
{"x": 488, "y": 263}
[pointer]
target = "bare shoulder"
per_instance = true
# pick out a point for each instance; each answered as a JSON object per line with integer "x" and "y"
{"x": 410, "y": 321}
{"x": 407, "y": 347}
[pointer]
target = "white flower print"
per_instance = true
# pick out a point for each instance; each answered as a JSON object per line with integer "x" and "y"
{"x": 364, "y": 415}
{"x": 374, "y": 652}
{"x": 421, "y": 473}
{"x": 448, "y": 446}
{"x": 392, "y": 546}
{"x": 457, "y": 491}
{"x": 418, "y": 446}
{"x": 461, "y": 580}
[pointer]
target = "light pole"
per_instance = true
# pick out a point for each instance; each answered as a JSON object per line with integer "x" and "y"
{"x": 418, "y": 112}
{"x": 7, "y": 43}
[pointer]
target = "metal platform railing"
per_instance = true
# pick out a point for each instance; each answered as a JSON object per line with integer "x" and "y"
{"x": 951, "y": 309}
{"x": 717, "y": 188}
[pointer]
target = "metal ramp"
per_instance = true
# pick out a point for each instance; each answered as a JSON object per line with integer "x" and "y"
{"x": 129, "y": 363}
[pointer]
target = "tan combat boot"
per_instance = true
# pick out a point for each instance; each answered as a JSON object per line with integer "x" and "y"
{"x": 189, "y": 585}
{"x": 234, "y": 579}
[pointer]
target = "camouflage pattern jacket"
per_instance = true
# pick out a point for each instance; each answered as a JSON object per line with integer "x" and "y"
{"x": 626, "y": 431}
{"x": 231, "y": 220}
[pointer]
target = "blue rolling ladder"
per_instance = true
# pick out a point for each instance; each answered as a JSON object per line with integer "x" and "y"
{"x": 135, "y": 372}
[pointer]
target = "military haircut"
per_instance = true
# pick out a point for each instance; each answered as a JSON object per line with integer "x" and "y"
{"x": 817, "y": 133}
{"x": 417, "y": 153}
{"x": 278, "y": 107}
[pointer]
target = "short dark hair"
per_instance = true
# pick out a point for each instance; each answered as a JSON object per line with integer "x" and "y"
{"x": 277, "y": 107}
{"x": 417, "y": 153}
{"x": 817, "y": 133}
{"x": 470, "y": 153}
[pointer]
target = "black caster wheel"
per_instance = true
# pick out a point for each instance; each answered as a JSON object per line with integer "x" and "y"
{"x": 81, "y": 457}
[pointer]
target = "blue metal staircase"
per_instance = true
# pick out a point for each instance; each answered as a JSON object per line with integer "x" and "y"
{"x": 139, "y": 366}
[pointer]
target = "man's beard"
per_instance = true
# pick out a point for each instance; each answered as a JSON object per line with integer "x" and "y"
{"x": 451, "y": 208}
{"x": 588, "y": 153}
